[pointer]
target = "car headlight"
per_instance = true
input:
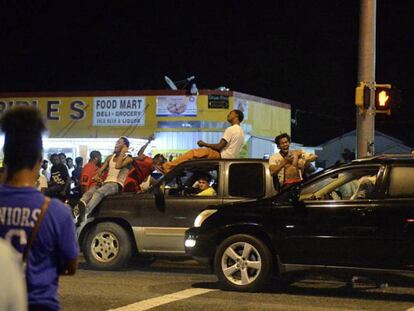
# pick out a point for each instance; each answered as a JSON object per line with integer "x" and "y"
{"x": 189, "y": 243}
{"x": 203, "y": 216}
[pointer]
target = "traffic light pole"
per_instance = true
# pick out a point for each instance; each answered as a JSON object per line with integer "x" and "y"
{"x": 366, "y": 74}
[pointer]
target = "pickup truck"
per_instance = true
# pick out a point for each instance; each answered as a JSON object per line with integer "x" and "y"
{"x": 154, "y": 223}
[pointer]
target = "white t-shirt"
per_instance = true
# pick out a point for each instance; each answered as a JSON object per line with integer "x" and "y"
{"x": 13, "y": 296}
{"x": 116, "y": 175}
{"x": 234, "y": 135}
{"x": 276, "y": 158}
{"x": 41, "y": 182}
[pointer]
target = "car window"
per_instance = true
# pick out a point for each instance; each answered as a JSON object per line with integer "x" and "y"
{"x": 350, "y": 184}
{"x": 247, "y": 180}
{"x": 185, "y": 182}
{"x": 401, "y": 182}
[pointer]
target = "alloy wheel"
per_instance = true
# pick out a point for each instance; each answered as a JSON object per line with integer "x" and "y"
{"x": 241, "y": 263}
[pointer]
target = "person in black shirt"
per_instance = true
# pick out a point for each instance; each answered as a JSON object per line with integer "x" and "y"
{"x": 76, "y": 175}
{"x": 59, "y": 180}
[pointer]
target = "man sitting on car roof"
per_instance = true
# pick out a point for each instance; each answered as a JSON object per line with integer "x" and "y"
{"x": 228, "y": 147}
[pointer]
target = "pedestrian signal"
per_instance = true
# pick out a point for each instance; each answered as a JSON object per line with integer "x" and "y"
{"x": 383, "y": 98}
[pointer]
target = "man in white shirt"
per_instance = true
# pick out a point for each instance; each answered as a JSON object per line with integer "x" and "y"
{"x": 44, "y": 171}
{"x": 288, "y": 165}
{"x": 41, "y": 183}
{"x": 228, "y": 147}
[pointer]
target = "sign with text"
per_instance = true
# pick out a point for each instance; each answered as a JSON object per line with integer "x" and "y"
{"x": 119, "y": 111}
{"x": 176, "y": 106}
{"x": 218, "y": 101}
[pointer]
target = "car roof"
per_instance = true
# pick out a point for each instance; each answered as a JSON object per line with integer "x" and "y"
{"x": 228, "y": 160}
{"x": 387, "y": 158}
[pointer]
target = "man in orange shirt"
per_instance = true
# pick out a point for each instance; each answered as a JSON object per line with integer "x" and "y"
{"x": 143, "y": 166}
{"x": 90, "y": 170}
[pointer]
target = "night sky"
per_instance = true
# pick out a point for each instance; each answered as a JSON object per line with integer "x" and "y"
{"x": 300, "y": 52}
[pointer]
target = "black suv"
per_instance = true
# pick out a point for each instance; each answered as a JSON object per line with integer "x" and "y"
{"x": 354, "y": 219}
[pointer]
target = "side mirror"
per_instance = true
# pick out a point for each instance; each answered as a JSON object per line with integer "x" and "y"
{"x": 159, "y": 196}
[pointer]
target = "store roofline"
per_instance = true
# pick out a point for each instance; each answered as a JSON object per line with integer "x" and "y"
{"x": 164, "y": 92}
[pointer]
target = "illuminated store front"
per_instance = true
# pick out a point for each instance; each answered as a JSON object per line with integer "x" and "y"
{"x": 80, "y": 122}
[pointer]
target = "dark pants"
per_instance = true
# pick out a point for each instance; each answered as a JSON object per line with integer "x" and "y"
{"x": 56, "y": 191}
{"x": 40, "y": 308}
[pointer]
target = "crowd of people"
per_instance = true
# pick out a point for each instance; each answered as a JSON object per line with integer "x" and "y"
{"x": 43, "y": 231}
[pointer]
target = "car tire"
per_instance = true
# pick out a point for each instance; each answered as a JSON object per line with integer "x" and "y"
{"x": 107, "y": 247}
{"x": 243, "y": 263}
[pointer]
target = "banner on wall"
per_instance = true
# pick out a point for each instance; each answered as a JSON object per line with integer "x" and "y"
{"x": 176, "y": 106}
{"x": 119, "y": 111}
{"x": 243, "y": 106}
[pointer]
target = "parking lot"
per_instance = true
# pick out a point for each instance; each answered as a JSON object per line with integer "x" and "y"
{"x": 187, "y": 285}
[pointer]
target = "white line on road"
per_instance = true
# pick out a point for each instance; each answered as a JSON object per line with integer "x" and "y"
{"x": 162, "y": 300}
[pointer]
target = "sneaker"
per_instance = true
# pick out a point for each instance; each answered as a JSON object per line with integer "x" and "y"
{"x": 75, "y": 213}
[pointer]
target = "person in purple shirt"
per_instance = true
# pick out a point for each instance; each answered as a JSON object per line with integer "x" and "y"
{"x": 55, "y": 249}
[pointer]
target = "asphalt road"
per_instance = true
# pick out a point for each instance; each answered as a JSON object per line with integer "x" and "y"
{"x": 186, "y": 285}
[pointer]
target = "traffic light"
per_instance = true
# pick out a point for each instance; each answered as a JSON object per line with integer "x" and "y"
{"x": 383, "y": 98}
{"x": 360, "y": 96}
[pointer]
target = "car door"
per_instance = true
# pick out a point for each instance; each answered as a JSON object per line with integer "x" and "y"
{"x": 327, "y": 227}
{"x": 398, "y": 208}
{"x": 163, "y": 227}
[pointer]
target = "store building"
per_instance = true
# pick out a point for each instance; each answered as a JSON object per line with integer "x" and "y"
{"x": 80, "y": 122}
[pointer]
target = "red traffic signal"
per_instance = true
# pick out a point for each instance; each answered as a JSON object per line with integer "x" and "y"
{"x": 383, "y": 98}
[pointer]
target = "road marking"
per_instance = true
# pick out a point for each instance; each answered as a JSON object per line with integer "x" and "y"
{"x": 162, "y": 300}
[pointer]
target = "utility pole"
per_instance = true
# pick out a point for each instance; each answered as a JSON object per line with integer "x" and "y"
{"x": 366, "y": 75}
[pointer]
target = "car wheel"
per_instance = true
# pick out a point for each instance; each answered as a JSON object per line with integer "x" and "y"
{"x": 107, "y": 247}
{"x": 243, "y": 263}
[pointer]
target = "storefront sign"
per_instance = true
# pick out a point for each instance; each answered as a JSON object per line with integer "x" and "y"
{"x": 7, "y": 104}
{"x": 119, "y": 111}
{"x": 176, "y": 106}
{"x": 218, "y": 101}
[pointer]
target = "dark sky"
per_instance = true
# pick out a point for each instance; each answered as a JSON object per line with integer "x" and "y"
{"x": 301, "y": 52}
